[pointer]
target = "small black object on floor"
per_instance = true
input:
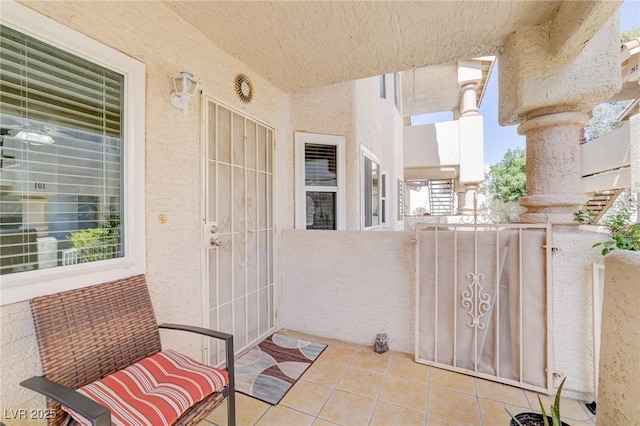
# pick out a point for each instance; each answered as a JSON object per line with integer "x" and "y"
{"x": 592, "y": 407}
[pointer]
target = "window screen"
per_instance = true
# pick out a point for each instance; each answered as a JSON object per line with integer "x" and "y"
{"x": 61, "y": 163}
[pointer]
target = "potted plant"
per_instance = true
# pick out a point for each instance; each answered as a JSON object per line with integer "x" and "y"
{"x": 541, "y": 419}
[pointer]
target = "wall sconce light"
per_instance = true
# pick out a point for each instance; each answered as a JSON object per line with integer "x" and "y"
{"x": 185, "y": 86}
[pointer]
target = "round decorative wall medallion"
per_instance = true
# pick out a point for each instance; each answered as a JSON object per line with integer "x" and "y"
{"x": 244, "y": 88}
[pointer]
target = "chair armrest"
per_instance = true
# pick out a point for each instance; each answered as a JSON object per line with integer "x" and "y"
{"x": 204, "y": 331}
{"x": 230, "y": 391}
{"x": 228, "y": 340}
{"x": 86, "y": 407}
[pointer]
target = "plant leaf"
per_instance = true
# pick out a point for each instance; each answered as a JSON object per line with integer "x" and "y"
{"x": 555, "y": 413}
{"x": 514, "y": 419}
{"x": 545, "y": 420}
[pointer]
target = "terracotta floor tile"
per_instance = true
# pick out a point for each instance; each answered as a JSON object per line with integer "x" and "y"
{"x": 361, "y": 382}
{"x": 493, "y": 412}
{"x": 321, "y": 422}
{"x": 307, "y": 397}
{"x": 446, "y": 379}
{"x": 439, "y": 421}
{"x": 325, "y": 372}
{"x": 338, "y": 353}
{"x": 387, "y": 414}
{"x": 351, "y": 385}
{"x": 248, "y": 411}
{"x": 405, "y": 393}
{"x": 347, "y": 409}
{"x": 403, "y": 366}
{"x": 455, "y": 406}
{"x": 282, "y": 416}
{"x": 499, "y": 392}
{"x": 369, "y": 360}
{"x": 305, "y": 336}
{"x": 570, "y": 408}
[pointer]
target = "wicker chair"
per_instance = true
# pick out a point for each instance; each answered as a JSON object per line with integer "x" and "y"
{"x": 86, "y": 334}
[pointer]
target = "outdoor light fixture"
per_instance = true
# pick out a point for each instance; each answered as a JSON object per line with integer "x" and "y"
{"x": 185, "y": 86}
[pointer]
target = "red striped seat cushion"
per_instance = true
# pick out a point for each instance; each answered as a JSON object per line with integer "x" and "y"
{"x": 154, "y": 391}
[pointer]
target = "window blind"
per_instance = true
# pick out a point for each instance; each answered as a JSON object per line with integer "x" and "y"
{"x": 62, "y": 195}
{"x": 320, "y": 165}
{"x": 46, "y": 83}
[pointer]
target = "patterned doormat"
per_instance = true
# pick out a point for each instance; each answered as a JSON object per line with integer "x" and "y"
{"x": 267, "y": 371}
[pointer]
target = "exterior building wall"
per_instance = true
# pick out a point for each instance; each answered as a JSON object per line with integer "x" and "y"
{"x": 572, "y": 309}
{"x": 432, "y": 145}
{"x": 353, "y": 110}
{"x": 620, "y": 351}
{"x": 378, "y": 265}
{"x": 326, "y": 276}
{"x": 378, "y": 126}
{"x": 330, "y": 110}
{"x": 471, "y": 149}
{"x": 382, "y": 267}
{"x": 167, "y": 45}
{"x": 634, "y": 139}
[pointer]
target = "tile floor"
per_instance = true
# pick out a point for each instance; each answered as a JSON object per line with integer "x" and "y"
{"x": 351, "y": 385}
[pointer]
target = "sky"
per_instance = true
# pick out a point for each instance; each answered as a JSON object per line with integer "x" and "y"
{"x": 498, "y": 139}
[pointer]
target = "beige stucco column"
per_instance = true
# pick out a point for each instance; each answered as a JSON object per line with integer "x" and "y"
{"x": 553, "y": 167}
{"x": 619, "y": 380}
{"x": 469, "y": 99}
{"x": 547, "y": 93}
{"x": 468, "y": 197}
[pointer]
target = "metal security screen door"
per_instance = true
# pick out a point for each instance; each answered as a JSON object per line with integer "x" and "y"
{"x": 238, "y": 227}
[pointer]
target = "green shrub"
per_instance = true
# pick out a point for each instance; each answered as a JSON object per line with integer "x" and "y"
{"x": 624, "y": 234}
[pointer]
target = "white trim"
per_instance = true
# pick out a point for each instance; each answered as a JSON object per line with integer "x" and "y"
{"x": 364, "y": 152}
{"x": 384, "y": 195}
{"x": 302, "y": 138}
{"x": 26, "y": 285}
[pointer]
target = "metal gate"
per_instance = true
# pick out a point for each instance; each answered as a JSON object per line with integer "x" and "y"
{"x": 483, "y": 301}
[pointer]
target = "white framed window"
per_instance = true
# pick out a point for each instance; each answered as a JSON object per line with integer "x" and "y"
{"x": 320, "y": 181}
{"x": 72, "y": 163}
{"x": 371, "y": 205}
{"x": 384, "y": 198}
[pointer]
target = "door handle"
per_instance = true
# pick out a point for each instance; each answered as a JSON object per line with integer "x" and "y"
{"x": 214, "y": 241}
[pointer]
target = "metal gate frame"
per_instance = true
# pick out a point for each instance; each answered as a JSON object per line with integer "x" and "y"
{"x": 477, "y": 303}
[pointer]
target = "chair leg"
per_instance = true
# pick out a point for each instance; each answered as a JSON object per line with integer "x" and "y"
{"x": 231, "y": 408}
{"x": 231, "y": 398}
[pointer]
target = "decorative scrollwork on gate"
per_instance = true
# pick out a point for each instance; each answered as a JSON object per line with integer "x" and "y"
{"x": 476, "y": 300}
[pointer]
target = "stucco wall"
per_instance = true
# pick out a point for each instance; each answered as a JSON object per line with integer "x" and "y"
{"x": 167, "y": 45}
{"x": 349, "y": 285}
{"x": 432, "y": 145}
{"x": 353, "y": 110}
{"x": 378, "y": 126}
{"x": 573, "y": 309}
{"x": 620, "y": 351}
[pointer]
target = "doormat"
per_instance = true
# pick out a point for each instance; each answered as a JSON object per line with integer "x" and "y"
{"x": 267, "y": 371}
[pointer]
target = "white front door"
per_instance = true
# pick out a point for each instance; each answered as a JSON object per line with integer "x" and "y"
{"x": 238, "y": 227}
